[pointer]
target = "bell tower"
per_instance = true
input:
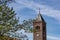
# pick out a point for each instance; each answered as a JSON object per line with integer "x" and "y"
{"x": 39, "y": 28}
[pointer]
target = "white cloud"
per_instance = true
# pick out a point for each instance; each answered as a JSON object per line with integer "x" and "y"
{"x": 31, "y": 35}
{"x": 49, "y": 11}
{"x": 16, "y": 6}
{"x": 53, "y": 38}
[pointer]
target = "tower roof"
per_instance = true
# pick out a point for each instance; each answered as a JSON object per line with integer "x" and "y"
{"x": 39, "y": 17}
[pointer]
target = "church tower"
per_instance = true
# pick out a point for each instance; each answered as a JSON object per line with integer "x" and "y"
{"x": 39, "y": 28}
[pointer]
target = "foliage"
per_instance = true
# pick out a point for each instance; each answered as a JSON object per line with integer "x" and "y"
{"x": 5, "y": 38}
{"x": 7, "y": 19}
{"x": 28, "y": 25}
{"x": 5, "y": 1}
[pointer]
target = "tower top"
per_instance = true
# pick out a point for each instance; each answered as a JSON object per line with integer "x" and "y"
{"x": 39, "y": 17}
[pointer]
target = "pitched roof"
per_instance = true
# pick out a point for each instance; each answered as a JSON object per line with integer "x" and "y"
{"x": 39, "y": 17}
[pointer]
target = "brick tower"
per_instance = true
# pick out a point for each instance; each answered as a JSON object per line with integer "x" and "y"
{"x": 39, "y": 28}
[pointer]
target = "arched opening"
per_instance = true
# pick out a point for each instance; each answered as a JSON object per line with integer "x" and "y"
{"x": 37, "y": 28}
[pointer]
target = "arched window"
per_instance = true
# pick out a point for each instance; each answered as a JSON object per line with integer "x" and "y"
{"x": 37, "y": 28}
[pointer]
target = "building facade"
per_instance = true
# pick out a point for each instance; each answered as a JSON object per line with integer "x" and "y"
{"x": 39, "y": 28}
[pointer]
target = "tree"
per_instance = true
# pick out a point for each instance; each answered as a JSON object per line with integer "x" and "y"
{"x": 8, "y": 20}
{"x": 28, "y": 25}
{"x": 6, "y": 1}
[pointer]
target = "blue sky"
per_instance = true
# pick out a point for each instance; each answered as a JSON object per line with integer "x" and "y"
{"x": 50, "y": 10}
